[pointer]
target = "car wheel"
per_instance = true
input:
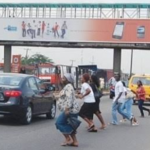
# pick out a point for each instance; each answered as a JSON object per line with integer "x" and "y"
{"x": 52, "y": 112}
{"x": 28, "y": 116}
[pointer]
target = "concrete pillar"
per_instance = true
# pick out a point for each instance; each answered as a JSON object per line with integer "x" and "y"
{"x": 7, "y": 58}
{"x": 117, "y": 60}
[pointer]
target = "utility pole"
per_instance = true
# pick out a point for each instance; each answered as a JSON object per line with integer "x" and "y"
{"x": 131, "y": 62}
{"x": 72, "y": 62}
{"x": 26, "y": 56}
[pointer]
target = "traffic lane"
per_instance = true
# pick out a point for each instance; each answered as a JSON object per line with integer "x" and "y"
{"x": 42, "y": 134}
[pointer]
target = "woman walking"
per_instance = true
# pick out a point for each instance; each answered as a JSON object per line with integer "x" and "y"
{"x": 95, "y": 85}
{"x": 69, "y": 108}
{"x": 141, "y": 98}
{"x": 88, "y": 107}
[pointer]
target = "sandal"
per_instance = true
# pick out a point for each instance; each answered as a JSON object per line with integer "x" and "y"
{"x": 91, "y": 127}
{"x": 64, "y": 144}
{"x": 72, "y": 144}
{"x": 103, "y": 127}
{"x": 93, "y": 130}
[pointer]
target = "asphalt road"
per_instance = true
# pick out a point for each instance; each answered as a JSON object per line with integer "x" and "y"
{"x": 42, "y": 134}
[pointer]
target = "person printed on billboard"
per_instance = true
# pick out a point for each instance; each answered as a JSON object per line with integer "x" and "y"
{"x": 39, "y": 29}
{"x": 63, "y": 29}
{"x": 48, "y": 29}
{"x": 34, "y": 29}
{"x": 29, "y": 30}
{"x": 43, "y": 27}
{"x": 56, "y": 27}
{"x": 23, "y": 29}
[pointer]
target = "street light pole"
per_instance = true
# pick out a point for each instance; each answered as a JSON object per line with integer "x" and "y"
{"x": 131, "y": 63}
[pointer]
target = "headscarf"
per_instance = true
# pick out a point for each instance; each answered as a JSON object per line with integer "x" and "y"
{"x": 69, "y": 77}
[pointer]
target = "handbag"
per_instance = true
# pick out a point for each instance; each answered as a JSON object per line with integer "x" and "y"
{"x": 97, "y": 94}
{"x": 130, "y": 95}
{"x": 74, "y": 122}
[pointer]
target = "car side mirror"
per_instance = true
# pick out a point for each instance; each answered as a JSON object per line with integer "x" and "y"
{"x": 51, "y": 88}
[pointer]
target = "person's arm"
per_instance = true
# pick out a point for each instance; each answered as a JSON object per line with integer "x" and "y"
{"x": 121, "y": 90}
{"x": 118, "y": 97}
{"x": 81, "y": 96}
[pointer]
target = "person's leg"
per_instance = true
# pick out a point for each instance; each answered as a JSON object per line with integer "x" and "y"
{"x": 62, "y": 125}
{"x": 124, "y": 109}
{"x": 57, "y": 33}
{"x": 129, "y": 107}
{"x": 64, "y": 33}
{"x": 121, "y": 112}
{"x": 99, "y": 116}
{"x": 28, "y": 31}
{"x": 146, "y": 109}
{"x": 34, "y": 33}
{"x": 54, "y": 33}
{"x": 114, "y": 114}
{"x": 68, "y": 140}
{"x": 97, "y": 112}
{"x": 25, "y": 32}
{"x": 85, "y": 114}
{"x": 140, "y": 105}
{"x": 89, "y": 122}
{"x": 74, "y": 138}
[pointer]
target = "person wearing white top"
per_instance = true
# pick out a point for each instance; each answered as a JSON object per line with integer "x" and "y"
{"x": 88, "y": 107}
{"x": 119, "y": 101}
{"x": 118, "y": 97}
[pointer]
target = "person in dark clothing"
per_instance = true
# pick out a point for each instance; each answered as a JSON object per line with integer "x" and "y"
{"x": 96, "y": 86}
{"x": 22, "y": 70}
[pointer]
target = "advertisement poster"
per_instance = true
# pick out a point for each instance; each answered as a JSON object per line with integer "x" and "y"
{"x": 16, "y": 63}
{"x": 76, "y": 30}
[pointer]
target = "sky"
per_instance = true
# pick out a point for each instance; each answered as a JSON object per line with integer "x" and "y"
{"x": 102, "y": 57}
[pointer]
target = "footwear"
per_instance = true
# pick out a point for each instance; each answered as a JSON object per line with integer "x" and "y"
{"x": 93, "y": 130}
{"x": 131, "y": 120}
{"x": 103, "y": 127}
{"x": 72, "y": 144}
{"x": 91, "y": 127}
{"x": 112, "y": 123}
{"x": 123, "y": 120}
{"x": 64, "y": 144}
{"x": 135, "y": 124}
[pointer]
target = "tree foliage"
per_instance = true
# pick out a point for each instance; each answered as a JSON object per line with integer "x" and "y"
{"x": 35, "y": 59}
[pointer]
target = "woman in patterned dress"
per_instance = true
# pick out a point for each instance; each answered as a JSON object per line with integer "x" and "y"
{"x": 68, "y": 106}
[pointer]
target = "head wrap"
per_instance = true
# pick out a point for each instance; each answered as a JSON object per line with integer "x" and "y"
{"x": 69, "y": 77}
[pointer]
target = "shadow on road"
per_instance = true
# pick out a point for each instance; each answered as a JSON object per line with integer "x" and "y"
{"x": 10, "y": 121}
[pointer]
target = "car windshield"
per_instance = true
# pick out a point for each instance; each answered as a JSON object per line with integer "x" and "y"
{"x": 10, "y": 80}
{"x": 145, "y": 81}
